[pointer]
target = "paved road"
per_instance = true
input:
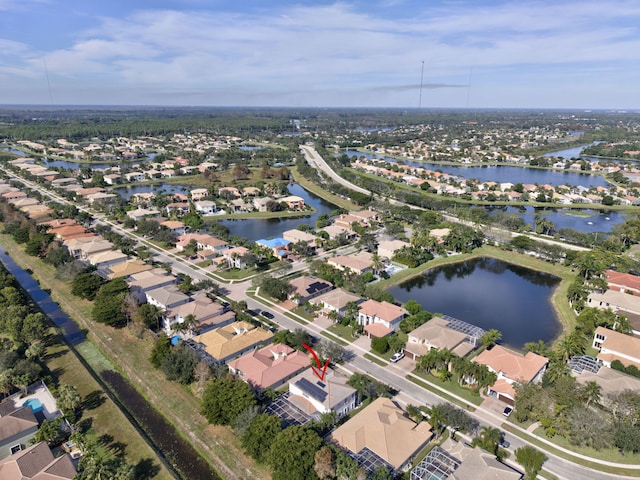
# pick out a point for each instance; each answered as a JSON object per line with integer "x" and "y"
{"x": 317, "y": 162}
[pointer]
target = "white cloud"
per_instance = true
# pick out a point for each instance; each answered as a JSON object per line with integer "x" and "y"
{"x": 340, "y": 48}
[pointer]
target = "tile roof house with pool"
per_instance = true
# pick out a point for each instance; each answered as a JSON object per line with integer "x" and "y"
{"x": 230, "y": 341}
{"x": 382, "y": 429}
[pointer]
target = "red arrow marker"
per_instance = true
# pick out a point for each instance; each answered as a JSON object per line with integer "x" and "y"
{"x": 319, "y": 373}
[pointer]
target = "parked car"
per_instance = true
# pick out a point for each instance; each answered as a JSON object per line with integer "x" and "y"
{"x": 504, "y": 443}
{"x": 396, "y": 357}
{"x": 266, "y": 314}
{"x": 507, "y": 411}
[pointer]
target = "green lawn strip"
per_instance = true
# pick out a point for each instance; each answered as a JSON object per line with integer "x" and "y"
{"x": 439, "y": 392}
{"x": 585, "y": 463}
{"x": 333, "y": 338}
{"x": 217, "y": 444}
{"x": 343, "y": 331}
{"x": 322, "y": 193}
{"x": 236, "y": 274}
{"x": 375, "y": 359}
{"x": 609, "y": 455}
{"x": 452, "y": 387}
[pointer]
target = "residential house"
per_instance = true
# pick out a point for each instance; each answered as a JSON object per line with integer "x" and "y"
{"x": 616, "y": 346}
{"x": 305, "y": 288}
{"x": 125, "y": 269}
{"x": 236, "y": 256}
{"x": 106, "y": 258}
{"x": 141, "y": 213}
{"x": 17, "y": 427}
{"x": 37, "y": 463}
{"x": 230, "y": 341}
{"x": 209, "y": 242}
{"x": 458, "y": 461}
{"x": 112, "y": 178}
{"x": 382, "y": 430}
{"x": 70, "y": 231}
{"x": 380, "y": 318}
{"x": 315, "y": 397}
{"x": 295, "y": 236}
{"x": 269, "y": 367}
{"x": 177, "y": 208}
{"x": 347, "y": 221}
{"x": 443, "y": 333}
{"x": 198, "y": 194}
{"x": 260, "y": 204}
{"x": 511, "y": 368}
{"x": 142, "y": 282}
{"x": 336, "y": 300}
{"x": 368, "y": 216}
{"x": 623, "y": 282}
{"x": 166, "y": 298}
{"x": 175, "y": 226}
{"x": 388, "y": 248}
{"x": 200, "y": 306}
{"x": 293, "y": 202}
{"x": 351, "y": 264}
{"x": 205, "y": 207}
{"x": 135, "y": 176}
{"x": 229, "y": 192}
{"x": 250, "y": 191}
{"x": 81, "y": 248}
{"x": 335, "y": 231}
{"x": 278, "y": 246}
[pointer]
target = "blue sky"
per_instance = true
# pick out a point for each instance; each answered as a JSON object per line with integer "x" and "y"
{"x": 476, "y": 54}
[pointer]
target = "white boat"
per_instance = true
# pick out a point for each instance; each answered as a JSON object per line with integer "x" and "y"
{"x": 589, "y": 223}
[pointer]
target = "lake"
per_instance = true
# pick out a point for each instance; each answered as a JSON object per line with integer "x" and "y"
{"x": 257, "y": 228}
{"x": 583, "y": 220}
{"x": 500, "y": 173}
{"x": 489, "y": 293}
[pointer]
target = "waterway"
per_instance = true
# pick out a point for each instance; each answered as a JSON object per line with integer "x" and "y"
{"x": 500, "y": 173}
{"x": 489, "y": 293}
{"x": 177, "y": 450}
{"x": 257, "y": 228}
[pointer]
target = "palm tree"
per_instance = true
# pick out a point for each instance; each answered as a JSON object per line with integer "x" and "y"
{"x": 376, "y": 262}
{"x": 489, "y": 438}
{"x": 437, "y": 419}
{"x": 490, "y": 338}
{"x": 591, "y": 392}
{"x": 571, "y": 345}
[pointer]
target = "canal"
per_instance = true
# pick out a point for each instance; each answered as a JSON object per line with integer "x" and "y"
{"x": 489, "y": 293}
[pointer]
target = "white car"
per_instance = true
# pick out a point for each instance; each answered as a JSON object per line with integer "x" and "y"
{"x": 397, "y": 357}
{"x": 507, "y": 411}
